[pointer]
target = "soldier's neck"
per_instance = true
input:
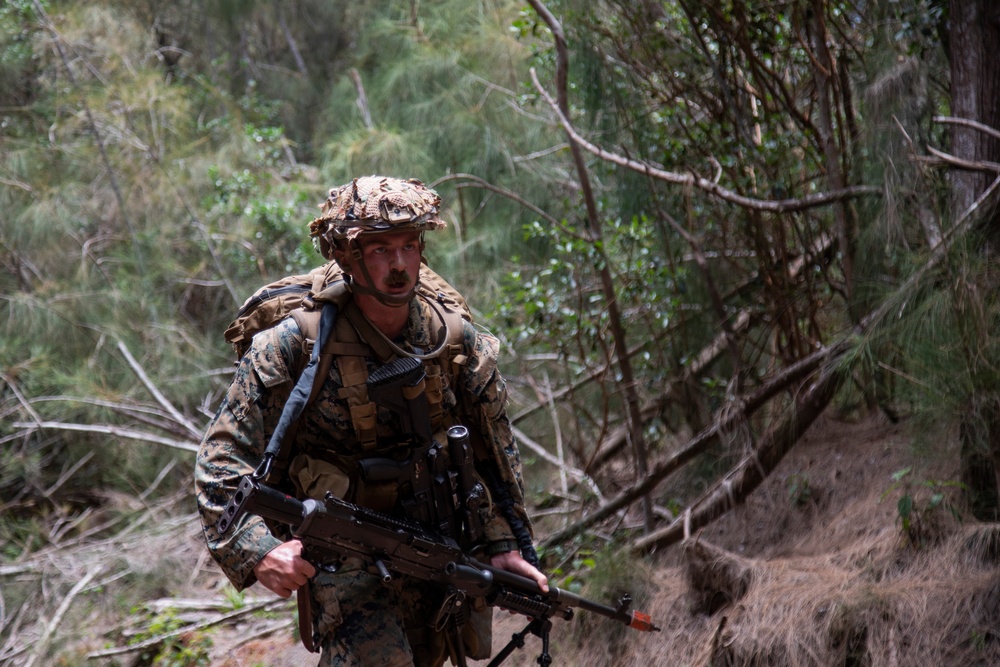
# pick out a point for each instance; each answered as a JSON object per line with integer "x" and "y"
{"x": 390, "y": 320}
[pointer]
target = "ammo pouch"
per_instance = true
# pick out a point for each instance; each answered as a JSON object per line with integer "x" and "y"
{"x": 432, "y": 645}
{"x": 477, "y": 633}
{"x": 315, "y": 477}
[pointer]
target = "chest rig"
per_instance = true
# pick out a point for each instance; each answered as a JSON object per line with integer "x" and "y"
{"x": 354, "y": 340}
{"x": 352, "y": 343}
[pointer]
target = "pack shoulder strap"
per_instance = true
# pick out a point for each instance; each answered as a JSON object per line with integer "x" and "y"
{"x": 304, "y": 390}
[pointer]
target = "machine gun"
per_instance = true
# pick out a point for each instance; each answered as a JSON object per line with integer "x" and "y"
{"x": 332, "y": 530}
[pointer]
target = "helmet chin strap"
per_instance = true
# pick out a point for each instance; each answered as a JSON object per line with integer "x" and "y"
{"x": 386, "y": 299}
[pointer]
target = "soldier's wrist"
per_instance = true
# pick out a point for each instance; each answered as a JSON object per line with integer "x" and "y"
{"x": 501, "y": 546}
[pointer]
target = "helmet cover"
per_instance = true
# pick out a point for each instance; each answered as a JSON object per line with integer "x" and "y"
{"x": 373, "y": 205}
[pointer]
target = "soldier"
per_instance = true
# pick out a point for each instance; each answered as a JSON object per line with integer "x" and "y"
{"x": 374, "y": 228}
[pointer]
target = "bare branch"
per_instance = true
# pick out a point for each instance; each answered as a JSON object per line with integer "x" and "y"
{"x": 20, "y": 398}
{"x": 362, "y": 100}
{"x": 160, "y": 398}
{"x": 43, "y": 641}
{"x": 513, "y": 196}
{"x": 968, "y": 123}
{"x": 147, "y": 414}
{"x": 542, "y": 453}
{"x": 68, "y": 474}
{"x": 107, "y": 429}
{"x": 968, "y": 165}
{"x": 16, "y": 184}
{"x": 704, "y": 184}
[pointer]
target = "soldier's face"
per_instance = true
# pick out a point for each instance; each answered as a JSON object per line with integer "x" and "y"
{"x": 392, "y": 260}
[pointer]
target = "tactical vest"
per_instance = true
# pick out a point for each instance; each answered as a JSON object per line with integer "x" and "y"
{"x": 301, "y": 297}
{"x": 354, "y": 339}
{"x": 314, "y": 470}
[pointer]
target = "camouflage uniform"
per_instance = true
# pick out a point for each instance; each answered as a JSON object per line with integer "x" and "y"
{"x": 358, "y": 619}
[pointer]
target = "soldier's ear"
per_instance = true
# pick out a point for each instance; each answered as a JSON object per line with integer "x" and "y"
{"x": 343, "y": 258}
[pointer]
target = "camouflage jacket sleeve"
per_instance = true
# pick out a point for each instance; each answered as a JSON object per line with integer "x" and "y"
{"x": 487, "y": 396}
{"x": 234, "y": 444}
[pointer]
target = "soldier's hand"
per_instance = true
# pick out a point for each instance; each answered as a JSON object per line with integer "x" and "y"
{"x": 512, "y": 561}
{"x": 283, "y": 570}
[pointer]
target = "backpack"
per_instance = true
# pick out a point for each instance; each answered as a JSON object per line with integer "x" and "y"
{"x": 273, "y": 302}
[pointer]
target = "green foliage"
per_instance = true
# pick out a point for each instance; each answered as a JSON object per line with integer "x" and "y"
{"x": 188, "y": 649}
{"x": 606, "y": 575}
{"x": 16, "y": 55}
{"x": 920, "y": 507}
{"x": 560, "y": 300}
{"x": 799, "y": 490}
{"x": 235, "y": 598}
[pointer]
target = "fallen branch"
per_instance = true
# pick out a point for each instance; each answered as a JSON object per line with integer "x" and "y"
{"x": 107, "y": 429}
{"x": 43, "y": 642}
{"x": 150, "y": 415}
{"x": 794, "y": 373}
{"x": 153, "y": 641}
{"x": 755, "y": 468}
{"x": 160, "y": 398}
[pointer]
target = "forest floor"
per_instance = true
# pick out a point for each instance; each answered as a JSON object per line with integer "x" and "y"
{"x": 814, "y": 569}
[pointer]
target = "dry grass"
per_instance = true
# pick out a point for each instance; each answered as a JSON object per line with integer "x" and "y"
{"x": 827, "y": 582}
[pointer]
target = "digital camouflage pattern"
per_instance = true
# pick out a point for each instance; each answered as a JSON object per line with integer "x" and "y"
{"x": 235, "y": 440}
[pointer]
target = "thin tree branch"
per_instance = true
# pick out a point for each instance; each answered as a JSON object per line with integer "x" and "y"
{"x": 513, "y": 196}
{"x": 627, "y": 382}
{"x": 290, "y": 39}
{"x": 160, "y": 398}
{"x": 362, "y": 100}
{"x": 704, "y": 184}
{"x": 542, "y": 453}
{"x": 20, "y": 398}
{"x": 967, "y": 165}
{"x": 43, "y": 642}
{"x": 147, "y": 414}
{"x": 17, "y": 184}
{"x": 993, "y": 132}
{"x": 107, "y": 429}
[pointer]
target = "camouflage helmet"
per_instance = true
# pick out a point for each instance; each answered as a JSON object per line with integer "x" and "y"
{"x": 371, "y": 205}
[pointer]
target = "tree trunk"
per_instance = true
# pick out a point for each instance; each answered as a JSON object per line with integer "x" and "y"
{"x": 974, "y": 33}
{"x": 975, "y": 93}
